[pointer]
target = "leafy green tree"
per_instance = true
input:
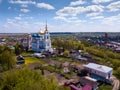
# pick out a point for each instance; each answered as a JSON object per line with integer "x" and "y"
{"x": 18, "y": 49}
{"x": 66, "y": 53}
{"x": 7, "y": 60}
{"x": 117, "y": 72}
{"x": 1, "y": 48}
{"x": 25, "y": 79}
{"x": 5, "y": 48}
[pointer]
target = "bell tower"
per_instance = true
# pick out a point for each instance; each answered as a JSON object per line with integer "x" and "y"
{"x": 47, "y": 39}
{"x": 29, "y": 40}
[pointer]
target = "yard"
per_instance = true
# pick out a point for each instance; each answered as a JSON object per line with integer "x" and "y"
{"x": 105, "y": 87}
{"x": 29, "y": 60}
{"x": 64, "y": 59}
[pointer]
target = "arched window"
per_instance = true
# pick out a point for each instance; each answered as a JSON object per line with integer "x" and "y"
{"x": 48, "y": 44}
{"x": 47, "y": 37}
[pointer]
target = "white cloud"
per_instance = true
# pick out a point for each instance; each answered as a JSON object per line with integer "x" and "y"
{"x": 22, "y": 2}
{"x": 100, "y": 1}
{"x": 111, "y": 20}
{"x": 70, "y": 11}
{"x": 61, "y": 18}
{"x": 94, "y": 10}
{"x": 45, "y": 6}
{"x": 9, "y": 8}
{"x": 21, "y": 26}
{"x": 25, "y": 10}
{"x": 91, "y": 10}
{"x": 97, "y": 17}
{"x": 79, "y": 2}
{"x": 69, "y": 20}
{"x": 115, "y": 6}
{"x": 15, "y": 26}
{"x": 70, "y": 14}
{"x": 29, "y": 18}
{"x": 21, "y": 15}
{"x": 24, "y": 5}
{"x": 92, "y": 14}
{"x": 85, "y": 27}
{"x": 18, "y": 18}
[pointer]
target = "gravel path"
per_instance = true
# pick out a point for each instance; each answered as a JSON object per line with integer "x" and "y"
{"x": 116, "y": 83}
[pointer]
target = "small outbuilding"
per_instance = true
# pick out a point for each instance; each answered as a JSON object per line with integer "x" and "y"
{"x": 20, "y": 59}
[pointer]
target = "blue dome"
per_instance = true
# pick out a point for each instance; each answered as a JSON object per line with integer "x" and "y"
{"x": 35, "y": 35}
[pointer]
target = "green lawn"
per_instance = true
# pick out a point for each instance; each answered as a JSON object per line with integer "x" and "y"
{"x": 29, "y": 60}
{"x": 62, "y": 59}
{"x": 26, "y": 53}
{"x": 105, "y": 87}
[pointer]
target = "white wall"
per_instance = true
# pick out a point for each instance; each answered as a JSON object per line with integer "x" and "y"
{"x": 105, "y": 75}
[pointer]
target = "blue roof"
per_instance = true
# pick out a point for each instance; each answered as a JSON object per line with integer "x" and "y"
{"x": 98, "y": 67}
{"x": 36, "y": 35}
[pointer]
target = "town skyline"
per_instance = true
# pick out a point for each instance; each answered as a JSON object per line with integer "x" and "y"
{"x": 28, "y": 16}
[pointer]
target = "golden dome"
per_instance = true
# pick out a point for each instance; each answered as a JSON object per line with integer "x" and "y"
{"x": 41, "y": 32}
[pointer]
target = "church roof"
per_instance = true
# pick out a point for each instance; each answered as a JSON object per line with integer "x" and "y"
{"x": 41, "y": 32}
{"x": 46, "y": 27}
{"x": 36, "y": 35}
{"x": 98, "y": 67}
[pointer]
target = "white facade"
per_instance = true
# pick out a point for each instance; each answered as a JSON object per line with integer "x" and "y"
{"x": 29, "y": 39}
{"x": 101, "y": 70}
{"x": 41, "y": 41}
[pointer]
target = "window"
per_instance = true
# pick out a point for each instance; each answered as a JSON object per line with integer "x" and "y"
{"x": 48, "y": 44}
{"x": 47, "y": 37}
{"x": 95, "y": 71}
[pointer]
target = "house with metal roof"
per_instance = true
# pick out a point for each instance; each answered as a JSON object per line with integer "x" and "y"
{"x": 88, "y": 82}
{"x": 99, "y": 72}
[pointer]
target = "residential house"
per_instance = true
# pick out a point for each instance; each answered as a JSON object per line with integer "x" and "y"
{"x": 85, "y": 83}
{"x": 117, "y": 49}
{"x": 88, "y": 82}
{"x": 20, "y": 59}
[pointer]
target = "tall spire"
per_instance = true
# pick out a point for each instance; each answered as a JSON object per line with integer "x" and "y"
{"x": 46, "y": 26}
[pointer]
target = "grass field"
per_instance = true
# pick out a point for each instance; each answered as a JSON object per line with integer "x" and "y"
{"x": 29, "y": 60}
{"x": 62, "y": 59}
{"x": 105, "y": 87}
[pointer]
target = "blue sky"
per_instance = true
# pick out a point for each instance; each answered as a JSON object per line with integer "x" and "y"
{"x": 18, "y": 16}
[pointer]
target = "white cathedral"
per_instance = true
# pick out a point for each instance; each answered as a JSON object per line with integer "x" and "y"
{"x": 40, "y": 42}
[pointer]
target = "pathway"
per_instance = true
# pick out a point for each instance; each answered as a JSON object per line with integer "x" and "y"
{"x": 116, "y": 83}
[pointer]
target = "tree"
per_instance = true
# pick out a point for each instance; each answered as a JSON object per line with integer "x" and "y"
{"x": 26, "y": 79}
{"x": 117, "y": 72}
{"x": 83, "y": 72}
{"x": 66, "y": 53}
{"x": 1, "y": 48}
{"x": 5, "y": 48}
{"x": 18, "y": 49}
{"x": 7, "y": 60}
